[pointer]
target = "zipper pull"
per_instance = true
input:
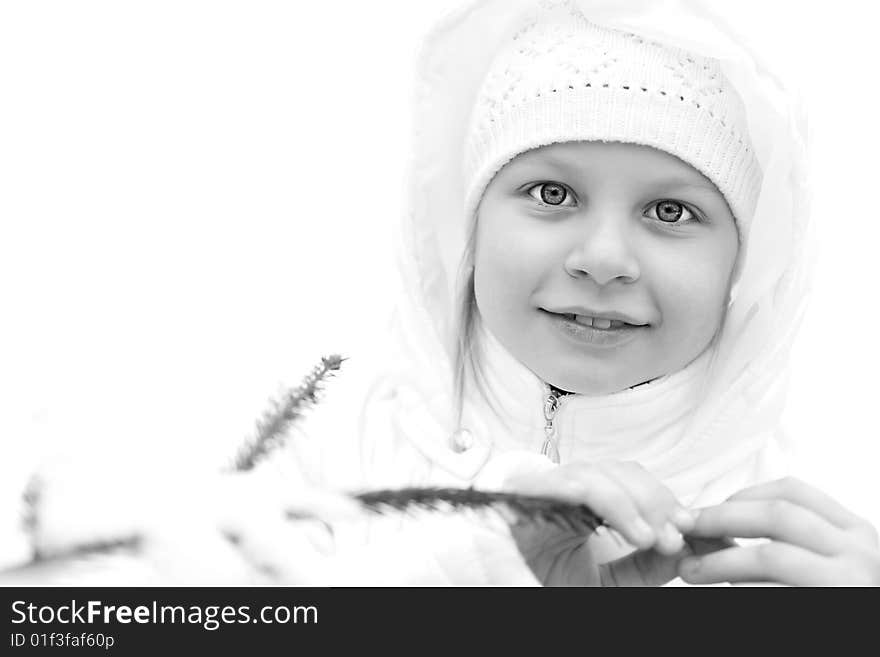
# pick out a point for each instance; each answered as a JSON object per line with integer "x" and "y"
{"x": 549, "y": 448}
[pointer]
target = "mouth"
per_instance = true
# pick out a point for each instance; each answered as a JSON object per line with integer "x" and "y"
{"x": 594, "y": 332}
{"x": 598, "y": 323}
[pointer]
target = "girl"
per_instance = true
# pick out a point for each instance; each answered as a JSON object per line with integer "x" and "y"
{"x": 604, "y": 262}
{"x": 610, "y": 316}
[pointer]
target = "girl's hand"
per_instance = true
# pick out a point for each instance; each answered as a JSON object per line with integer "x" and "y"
{"x": 632, "y": 502}
{"x": 814, "y": 541}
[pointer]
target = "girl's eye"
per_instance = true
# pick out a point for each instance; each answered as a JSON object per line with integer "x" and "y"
{"x": 550, "y": 193}
{"x": 670, "y": 212}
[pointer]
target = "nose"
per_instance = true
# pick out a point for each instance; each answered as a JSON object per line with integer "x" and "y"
{"x": 603, "y": 250}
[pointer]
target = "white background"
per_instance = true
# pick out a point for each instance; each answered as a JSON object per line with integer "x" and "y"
{"x": 196, "y": 201}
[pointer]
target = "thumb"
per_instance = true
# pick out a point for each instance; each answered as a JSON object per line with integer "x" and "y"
{"x": 652, "y": 568}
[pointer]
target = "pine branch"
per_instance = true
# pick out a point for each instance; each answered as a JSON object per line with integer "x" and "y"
{"x": 133, "y": 542}
{"x": 272, "y": 427}
{"x": 30, "y": 499}
{"x": 270, "y": 433}
{"x": 514, "y": 507}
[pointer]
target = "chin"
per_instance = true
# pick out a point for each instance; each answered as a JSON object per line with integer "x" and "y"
{"x": 594, "y": 387}
{"x": 591, "y": 388}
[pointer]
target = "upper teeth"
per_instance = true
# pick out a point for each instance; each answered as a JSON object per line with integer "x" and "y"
{"x": 598, "y": 322}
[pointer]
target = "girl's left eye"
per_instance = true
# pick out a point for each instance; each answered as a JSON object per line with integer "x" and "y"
{"x": 670, "y": 212}
{"x": 550, "y": 193}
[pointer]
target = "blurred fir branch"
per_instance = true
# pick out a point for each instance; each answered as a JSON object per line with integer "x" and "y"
{"x": 515, "y": 508}
{"x": 271, "y": 431}
{"x": 30, "y": 499}
{"x": 30, "y": 520}
{"x": 272, "y": 427}
{"x": 133, "y": 542}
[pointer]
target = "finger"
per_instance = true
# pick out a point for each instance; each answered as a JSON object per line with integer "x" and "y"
{"x": 590, "y": 486}
{"x": 285, "y": 552}
{"x": 802, "y": 494}
{"x": 771, "y": 562}
{"x": 245, "y": 491}
{"x": 321, "y": 505}
{"x": 776, "y": 519}
{"x": 654, "y": 499}
{"x": 653, "y": 568}
{"x": 193, "y": 553}
{"x": 642, "y": 568}
{"x": 700, "y": 546}
{"x": 557, "y": 558}
{"x": 656, "y": 503}
{"x": 267, "y": 532}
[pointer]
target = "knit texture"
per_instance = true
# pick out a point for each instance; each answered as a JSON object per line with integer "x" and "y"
{"x": 562, "y": 78}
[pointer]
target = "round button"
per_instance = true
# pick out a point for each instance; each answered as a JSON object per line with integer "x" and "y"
{"x": 462, "y": 440}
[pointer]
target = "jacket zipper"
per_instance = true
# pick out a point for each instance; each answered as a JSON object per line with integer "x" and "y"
{"x": 552, "y": 402}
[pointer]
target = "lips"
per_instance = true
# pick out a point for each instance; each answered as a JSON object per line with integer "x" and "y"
{"x": 600, "y": 323}
{"x": 614, "y": 334}
{"x": 602, "y": 320}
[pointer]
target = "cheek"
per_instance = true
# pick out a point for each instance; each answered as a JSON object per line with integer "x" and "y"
{"x": 506, "y": 268}
{"x": 692, "y": 300}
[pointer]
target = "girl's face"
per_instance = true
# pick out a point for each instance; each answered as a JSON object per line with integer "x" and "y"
{"x": 608, "y": 230}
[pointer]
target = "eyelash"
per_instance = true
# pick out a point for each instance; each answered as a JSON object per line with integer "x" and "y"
{"x": 695, "y": 216}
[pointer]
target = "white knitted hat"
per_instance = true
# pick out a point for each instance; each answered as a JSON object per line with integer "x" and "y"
{"x": 563, "y": 78}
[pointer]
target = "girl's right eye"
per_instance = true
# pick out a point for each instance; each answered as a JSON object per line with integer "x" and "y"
{"x": 550, "y": 193}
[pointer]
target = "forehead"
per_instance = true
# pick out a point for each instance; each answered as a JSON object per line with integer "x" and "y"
{"x": 596, "y": 160}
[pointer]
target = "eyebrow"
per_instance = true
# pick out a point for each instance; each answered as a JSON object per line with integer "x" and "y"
{"x": 554, "y": 163}
{"x": 701, "y": 181}
{"x": 675, "y": 182}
